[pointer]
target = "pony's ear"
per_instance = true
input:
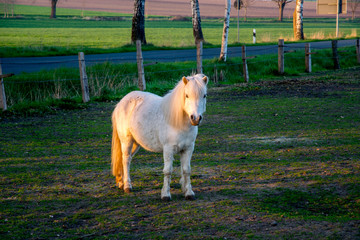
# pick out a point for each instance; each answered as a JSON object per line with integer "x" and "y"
{"x": 205, "y": 79}
{"x": 185, "y": 80}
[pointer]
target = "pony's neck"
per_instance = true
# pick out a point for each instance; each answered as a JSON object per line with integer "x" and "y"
{"x": 172, "y": 107}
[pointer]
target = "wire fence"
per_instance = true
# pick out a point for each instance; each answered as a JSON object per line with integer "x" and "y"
{"x": 110, "y": 74}
{"x": 155, "y": 60}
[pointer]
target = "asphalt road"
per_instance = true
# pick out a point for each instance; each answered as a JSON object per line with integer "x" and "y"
{"x": 35, "y": 64}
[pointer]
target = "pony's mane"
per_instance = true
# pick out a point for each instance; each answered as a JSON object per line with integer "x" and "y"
{"x": 173, "y": 102}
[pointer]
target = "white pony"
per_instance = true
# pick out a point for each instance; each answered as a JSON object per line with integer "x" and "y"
{"x": 159, "y": 124}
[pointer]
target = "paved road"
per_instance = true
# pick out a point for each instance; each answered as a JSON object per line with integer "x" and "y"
{"x": 35, "y": 64}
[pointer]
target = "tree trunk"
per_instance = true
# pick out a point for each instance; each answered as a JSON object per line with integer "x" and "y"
{"x": 294, "y": 22}
{"x": 224, "y": 41}
{"x": 6, "y": 10}
{"x": 196, "y": 21}
{"x": 12, "y": 3}
{"x": 138, "y": 22}
{"x": 299, "y": 33}
{"x": 281, "y": 11}
{"x": 53, "y": 8}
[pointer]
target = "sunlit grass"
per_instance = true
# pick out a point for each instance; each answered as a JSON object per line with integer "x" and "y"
{"x": 48, "y": 90}
{"x": 274, "y": 159}
{"x": 34, "y": 33}
{"x": 264, "y": 159}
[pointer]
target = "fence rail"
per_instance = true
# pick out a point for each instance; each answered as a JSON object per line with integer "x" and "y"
{"x": 198, "y": 56}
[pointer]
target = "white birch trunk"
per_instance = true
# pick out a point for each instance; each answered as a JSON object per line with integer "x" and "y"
{"x": 224, "y": 41}
{"x": 299, "y": 34}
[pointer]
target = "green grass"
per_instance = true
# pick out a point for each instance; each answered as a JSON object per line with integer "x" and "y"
{"x": 48, "y": 91}
{"x": 276, "y": 158}
{"x": 44, "y": 12}
{"x": 34, "y": 34}
{"x": 273, "y": 160}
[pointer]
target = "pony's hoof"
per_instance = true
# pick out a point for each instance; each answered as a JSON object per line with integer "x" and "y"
{"x": 190, "y": 197}
{"x": 119, "y": 184}
{"x": 166, "y": 199}
{"x": 127, "y": 190}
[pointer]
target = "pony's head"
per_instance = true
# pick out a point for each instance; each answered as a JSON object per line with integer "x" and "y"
{"x": 186, "y": 103}
{"x": 195, "y": 97}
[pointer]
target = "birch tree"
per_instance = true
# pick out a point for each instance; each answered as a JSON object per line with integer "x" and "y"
{"x": 298, "y": 20}
{"x": 196, "y": 21}
{"x": 224, "y": 41}
{"x": 138, "y": 22}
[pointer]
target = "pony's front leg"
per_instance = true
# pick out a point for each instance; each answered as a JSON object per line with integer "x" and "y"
{"x": 185, "y": 173}
{"x": 168, "y": 168}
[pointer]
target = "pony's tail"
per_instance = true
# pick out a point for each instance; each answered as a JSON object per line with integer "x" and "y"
{"x": 116, "y": 155}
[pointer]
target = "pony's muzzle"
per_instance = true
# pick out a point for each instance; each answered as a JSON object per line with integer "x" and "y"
{"x": 195, "y": 120}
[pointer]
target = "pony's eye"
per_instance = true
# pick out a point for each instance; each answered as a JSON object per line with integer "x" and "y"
{"x": 187, "y": 96}
{"x": 205, "y": 95}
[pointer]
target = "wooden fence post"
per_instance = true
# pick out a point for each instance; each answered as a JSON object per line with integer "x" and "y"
{"x": 222, "y": 76}
{"x": 358, "y": 50}
{"x": 199, "y": 54}
{"x": 281, "y": 56}
{"x": 215, "y": 74}
{"x": 3, "y": 104}
{"x": 335, "y": 54}
{"x": 83, "y": 78}
{"x": 307, "y": 58}
{"x": 140, "y": 65}
{"x": 245, "y": 68}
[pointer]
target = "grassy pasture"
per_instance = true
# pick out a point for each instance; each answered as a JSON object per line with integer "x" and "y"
{"x": 47, "y": 91}
{"x": 33, "y": 33}
{"x": 273, "y": 160}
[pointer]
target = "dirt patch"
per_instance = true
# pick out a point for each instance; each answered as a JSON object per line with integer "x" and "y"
{"x": 317, "y": 86}
{"x": 180, "y": 18}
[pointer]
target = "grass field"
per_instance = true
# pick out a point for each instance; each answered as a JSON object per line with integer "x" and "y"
{"x": 47, "y": 91}
{"x": 33, "y": 33}
{"x": 276, "y": 158}
{"x": 273, "y": 160}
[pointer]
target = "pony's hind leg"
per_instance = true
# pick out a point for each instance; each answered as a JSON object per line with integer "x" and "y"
{"x": 126, "y": 163}
{"x": 135, "y": 149}
{"x": 129, "y": 148}
{"x": 119, "y": 181}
